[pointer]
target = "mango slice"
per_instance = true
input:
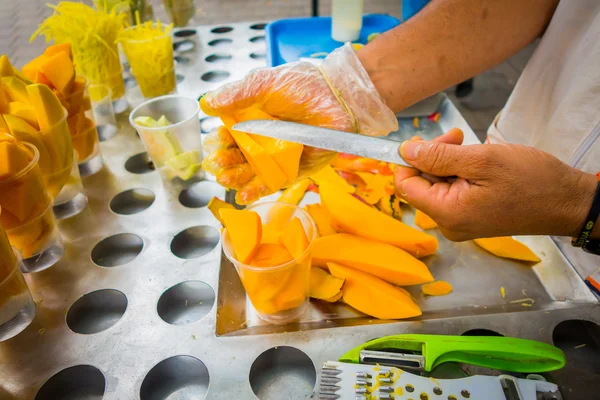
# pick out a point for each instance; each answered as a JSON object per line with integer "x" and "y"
{"x": 507, "y": 247}
{"x": 390, "y": 205}
{"x": 215, "y": 205}
{"x": 6, "y": 68}
{"x": 328, "y": 174}
{"x": 295, "y": 192}
{"x": 373, "y": 296}
{"x": 323, "y": 285}
{"x": 437, "y": 288}
{"x": 60, "y": 71}
{"x": 294, "y": 239}
{"x": 379, "y": 259}
{"x": 360, "y": 219}
{"x": 32, "y": 68}
{"x": 322, "y": 219}
{"x": 279, "y": 217}
{"x": 23, "y": 111}
{"x": 58, "y": 48}
{"x": 375, "y": 188}
{"x": 270, "y": 255}
{"x": 13, "y": 158}
{"x": 16, "y": 89}
{"x": 244, "y": 229}
{"x": 424, "y": 221}
{"x": 46, "y": 105}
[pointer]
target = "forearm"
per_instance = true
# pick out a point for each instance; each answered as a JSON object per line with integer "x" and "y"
{"x": 450, "y": 41}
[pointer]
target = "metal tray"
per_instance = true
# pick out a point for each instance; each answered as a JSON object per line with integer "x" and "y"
{"x": 144, "y": 306}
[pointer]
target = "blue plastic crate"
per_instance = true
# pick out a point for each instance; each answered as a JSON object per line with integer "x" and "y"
{"x": 290, "y": 39}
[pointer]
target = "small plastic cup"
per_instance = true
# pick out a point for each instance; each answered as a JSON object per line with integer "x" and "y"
{"x": 71, "y": 200}
{"x": 152, "y": 63}
{"x": 279, "y": 294}
{"x": 103, "y": 111}
{"x": 17, "y": 308}
{"x": 114, "y": 81}
{"x": 176, "y": 149}
{"x": 180, "y": 12}
{"x": 28, "y": 219}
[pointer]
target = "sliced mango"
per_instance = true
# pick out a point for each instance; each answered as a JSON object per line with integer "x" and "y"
{"x": 380, "y": 259}
{"x": 215, "y": 205}
{"x": 437, "y": 288}
{"x": 322, "y": 219}
{"x": 23, "y": 111}
{"x": 18, "y": 127}
{"x": 46, "y": 105}
{"x": 32, "y": 68}
{"x": 328, "y": 174}
{"x": 13, "y": 158}
{"x": 60, "y": 71}
{"x": 295, "y": 192}
{"x": 323, "y": 285}
{"x": 335, "y": 298}
{"x": 390, "y": 205}
{"x": 373, "y": 296}
{"x": 270, "y": 255}
{"x": 294, "y": 239}
{"x": 279, "y": 217}
{"x": 360, "y": 219}
{"x": 297, "y": 288}
{"x": 424, "y": 221}
{"x": 375, "y": 189}
{"x": 507, "y": 247}
{"x": 244, "y": 229}
{"x": 16, "y": 89}
{"x": 6, "y": 68}
{"x": 58, "y": 48}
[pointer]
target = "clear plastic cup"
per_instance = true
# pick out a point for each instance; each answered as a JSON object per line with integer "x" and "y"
{"x": 114, "y": 81}
{"x": 175, "y": 149}
{"x": 85, "y": 137}
{"x": 71, "y": 200}
{"x": 180, "y": 12}
{"x": 279, "y": 294}
{"x": 152, "y": 63}
{"x": 28, "y": 219}
{"x": 17, "y": 308}
{"x": 103, "y": 111}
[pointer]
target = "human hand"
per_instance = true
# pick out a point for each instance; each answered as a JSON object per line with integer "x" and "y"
{"x": 493, "y": 189}
{"x": 338, "y": 95}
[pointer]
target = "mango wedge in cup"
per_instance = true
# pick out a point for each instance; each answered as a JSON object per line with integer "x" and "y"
{"x": 26, "y": 205}
{"x": 269, "y": 245}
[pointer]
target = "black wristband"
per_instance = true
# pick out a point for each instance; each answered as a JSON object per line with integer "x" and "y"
{"x": 590, "y": 221}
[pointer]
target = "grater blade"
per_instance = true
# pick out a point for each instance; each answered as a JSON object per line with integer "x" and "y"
{"x": 361, "y": 381}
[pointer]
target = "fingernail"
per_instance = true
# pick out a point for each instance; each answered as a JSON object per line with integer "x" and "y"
{"x": 410, "y": 149}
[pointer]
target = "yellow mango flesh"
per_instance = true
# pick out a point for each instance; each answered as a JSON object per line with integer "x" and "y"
{"x": 294, "y": 239}
{"x": 215, "y": 205}
{"x": 60, "y": 71}
{"x": 58, "y": 48}
{"x": 244, "y": 229}
{"x": 507, "y": 247}
{"x": 375, "y": 188}
{"x": 46, "y": 105}
{"x": 437, "y": 288}
{"x": 322, "y": 219}
{"x": 323, "y": 285}
{"x": 31, "y": 69}
{"x": 379, "y": 259}
{"x": 279, "y": 217}
{"x": 362, "y": 220}
{"x": 23, "y": 111}
{"x": 16, "y": 89}
{"x": 328, "y": 175}
{"x": 424, "y": 221}
{"x": 373, "y": 296}
{"x": 13, "y": 158}
{"x": 6, "y": 68}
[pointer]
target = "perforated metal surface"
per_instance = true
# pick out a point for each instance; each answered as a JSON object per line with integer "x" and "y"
{"x": 164, "y": 257}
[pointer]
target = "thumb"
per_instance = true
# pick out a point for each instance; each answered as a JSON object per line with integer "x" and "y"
{"x": 437, "y": 158}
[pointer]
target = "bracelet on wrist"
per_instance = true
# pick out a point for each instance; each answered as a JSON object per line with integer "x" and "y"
{"x": 584, "y": 239}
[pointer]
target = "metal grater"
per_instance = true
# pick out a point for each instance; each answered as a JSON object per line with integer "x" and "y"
{"x": 343, "y": 381}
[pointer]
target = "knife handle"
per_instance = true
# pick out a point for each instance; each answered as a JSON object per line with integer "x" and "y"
{"x": 501, "y": 353}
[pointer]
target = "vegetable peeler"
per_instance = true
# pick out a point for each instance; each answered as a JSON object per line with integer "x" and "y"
{"x": 376, "y": 369}
{"x": 502, "y": 353}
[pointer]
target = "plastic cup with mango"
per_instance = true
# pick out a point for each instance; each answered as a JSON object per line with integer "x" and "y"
{"x": 17, "y": 308}
{"x": 26, "y": 206}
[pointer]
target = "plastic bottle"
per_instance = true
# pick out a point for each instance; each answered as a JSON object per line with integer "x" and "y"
{"x": 346, "y": 20}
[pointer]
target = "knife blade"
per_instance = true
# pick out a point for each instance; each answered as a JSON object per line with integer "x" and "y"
{"x": 377, "y": 148}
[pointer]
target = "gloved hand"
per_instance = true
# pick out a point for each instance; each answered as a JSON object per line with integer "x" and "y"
{"x": 338, "y": 95}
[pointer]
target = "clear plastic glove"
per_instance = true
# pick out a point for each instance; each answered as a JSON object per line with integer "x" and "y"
{"x": 338, "y": 95}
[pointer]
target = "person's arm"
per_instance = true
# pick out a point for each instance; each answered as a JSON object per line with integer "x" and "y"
{"x": 448, "y": 42}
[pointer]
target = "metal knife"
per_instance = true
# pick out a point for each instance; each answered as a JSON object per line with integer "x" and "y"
{"x": 377, "y": 148}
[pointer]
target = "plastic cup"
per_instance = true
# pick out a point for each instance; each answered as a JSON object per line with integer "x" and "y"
{"x": 114, "y": 81}
{"x": 103, "y": 111}
{"x": 152, "y": 63}
{"x": 279, "y": 294}
{"x": 17, "y": 308}
{"x": 28, "y": 219}
{"x": 71, "y": 200}
{"x": 180, "y": 12}
{"x": 85, "y": 141}
{"x": 175, "y": 149}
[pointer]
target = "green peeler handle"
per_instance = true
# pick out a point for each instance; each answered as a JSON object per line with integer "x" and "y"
{"x": 502, "y": 353}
